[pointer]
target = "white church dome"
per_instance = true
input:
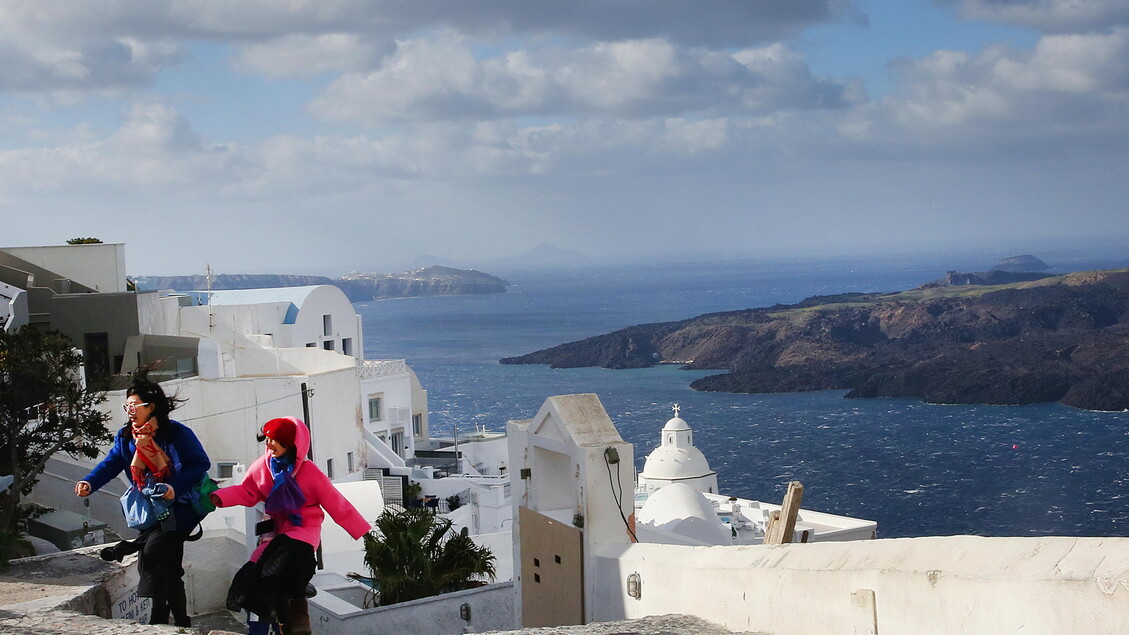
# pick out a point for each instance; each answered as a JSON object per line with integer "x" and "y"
{"x": 680, "y": 509}
{"x": 675, "y": 424}
{"x": 676, "y": 458}
{"x": 671, "y": 463}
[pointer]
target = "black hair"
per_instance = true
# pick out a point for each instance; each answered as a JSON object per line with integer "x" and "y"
{"x": 150, "y": 392}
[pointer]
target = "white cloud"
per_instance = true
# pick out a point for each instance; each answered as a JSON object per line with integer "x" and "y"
{"x": 305, "y": 54}
{"x": 1054, "y": 16}
{"x": 51, "y": 45}
{"x": 440, "y": 78}
{"x": 506, "y": 122}
{"x": 1068, "y": 87}
{"x": 154, "y": 146}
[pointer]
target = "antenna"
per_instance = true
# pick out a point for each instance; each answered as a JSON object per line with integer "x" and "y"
{"x": 211, "y": 314}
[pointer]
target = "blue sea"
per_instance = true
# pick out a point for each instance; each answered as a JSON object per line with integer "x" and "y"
{"x": 916, "y": 469}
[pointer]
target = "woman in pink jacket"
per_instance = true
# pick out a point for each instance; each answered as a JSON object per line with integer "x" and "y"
{"x": 295, "y": 492}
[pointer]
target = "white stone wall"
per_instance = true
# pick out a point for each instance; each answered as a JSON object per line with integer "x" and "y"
{"x": 923, "y": 586}
{"x": 99, "y": 266}
{"x": 228, "y": 433}
{"x": 226, "y": 414}
{"x": 484, "y": 453}
{"x": 490, "y": 608}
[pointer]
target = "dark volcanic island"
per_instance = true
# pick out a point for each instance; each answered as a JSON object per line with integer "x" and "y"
{"x": 1057, "y": 338}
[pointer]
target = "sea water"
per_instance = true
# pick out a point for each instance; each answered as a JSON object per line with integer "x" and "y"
{"x": 916, "y": 469}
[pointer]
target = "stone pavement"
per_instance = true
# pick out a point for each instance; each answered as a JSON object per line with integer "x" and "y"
{"x": 44, "y": 595}
{"x": 654, "y": 625}
{"x": 56, "y": 622}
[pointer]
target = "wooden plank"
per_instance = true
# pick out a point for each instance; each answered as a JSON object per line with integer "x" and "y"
{"x": 783, "y": 523}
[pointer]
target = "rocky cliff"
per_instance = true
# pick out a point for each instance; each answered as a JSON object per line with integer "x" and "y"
{"x": 435, "y": 280}
{"x": 358, "y": 287}
{"x": 1060, "y": 338}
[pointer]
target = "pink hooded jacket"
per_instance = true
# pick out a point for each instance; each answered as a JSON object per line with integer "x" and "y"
{"x": 319, "y": 491}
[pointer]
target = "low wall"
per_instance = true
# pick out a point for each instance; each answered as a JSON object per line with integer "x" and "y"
{"x": 941, "y": 585}
{"x": 209, "y": 565}
{"x": 491, "y": 608}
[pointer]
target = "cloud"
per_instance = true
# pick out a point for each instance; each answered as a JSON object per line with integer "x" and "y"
{"x": 35, "y": 66}
{"x": 154, "y": 146}
{"x": 444, "y": 126}
{"x": 440, "y": 78}
{"x": 52, "y": 45}
{"x": 1004, "y": 103}
{"x": 1050, "y": 16}
{"x": 305, "y": 54}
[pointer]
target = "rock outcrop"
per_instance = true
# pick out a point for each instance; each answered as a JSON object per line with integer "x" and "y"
{"x": 1061, "y": 338}
{"x": 358, "y": 287}
{"x": 1022, "y": 263}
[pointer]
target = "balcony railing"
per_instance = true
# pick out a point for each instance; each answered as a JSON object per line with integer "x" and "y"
{"x": 381, "y": 368}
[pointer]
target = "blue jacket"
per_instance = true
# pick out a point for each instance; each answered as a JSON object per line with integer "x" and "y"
{"x": 189, "y": 464}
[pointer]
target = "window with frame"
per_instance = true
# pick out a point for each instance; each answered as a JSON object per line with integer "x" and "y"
{"x": 347, "y": 346}
{"x": 225, "y": 469}
{"x": 417, "y": 424}
{"x": 376, "y": 408}
{"x": 349, "y": 462}
{"x": 329, "y": 468}
{"x": 327, "y": 325}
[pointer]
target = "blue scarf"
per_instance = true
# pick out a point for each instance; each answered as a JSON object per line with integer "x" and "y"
{"x": 286, "y": 497}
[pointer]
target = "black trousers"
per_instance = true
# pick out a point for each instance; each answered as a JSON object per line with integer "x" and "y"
{"x": 160, "y": 572}
{"x": 281, "y": 573}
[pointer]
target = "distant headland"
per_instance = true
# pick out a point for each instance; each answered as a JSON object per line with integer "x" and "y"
{"x": 999, "y": 337}
{"x": 358, "y": 287}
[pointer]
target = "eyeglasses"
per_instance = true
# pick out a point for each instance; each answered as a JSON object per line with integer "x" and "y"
{"x": 131, "y": 408}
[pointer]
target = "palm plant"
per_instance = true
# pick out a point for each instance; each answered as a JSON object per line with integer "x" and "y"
{"x": 414, "y": 554}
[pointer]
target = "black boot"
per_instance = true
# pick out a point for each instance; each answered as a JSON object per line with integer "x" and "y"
{"x": 119, "y": 551}
{"x": 297, "y": 619}
{"x": 178, "y": 604}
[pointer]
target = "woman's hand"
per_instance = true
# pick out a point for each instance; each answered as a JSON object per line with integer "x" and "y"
{"x": 82, "y": 489}
{"x": 170, "y": 493}
{"x": 215, "y": 498}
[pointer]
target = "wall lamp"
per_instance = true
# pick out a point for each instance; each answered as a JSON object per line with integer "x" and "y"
{"x": 634, "y": 586}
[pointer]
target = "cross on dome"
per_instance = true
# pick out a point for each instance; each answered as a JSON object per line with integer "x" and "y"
{"x": 676, "y": 410}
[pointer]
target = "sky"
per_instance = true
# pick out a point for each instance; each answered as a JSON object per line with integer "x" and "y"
{"x": 326, "y": 136}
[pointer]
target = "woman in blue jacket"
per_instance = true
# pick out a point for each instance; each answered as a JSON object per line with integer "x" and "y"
{"x": 154, "y": 448}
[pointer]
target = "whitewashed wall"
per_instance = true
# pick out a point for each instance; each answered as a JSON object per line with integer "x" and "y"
{"x": 491, "y": 609}
{"x": 936, "y": 585}
{"x": 100, "y": 266}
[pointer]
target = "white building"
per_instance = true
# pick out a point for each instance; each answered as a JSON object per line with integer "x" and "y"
{"x": 677, "y": 502}
{"x": 248, "y": 357}
{"x": 13, "y": 307}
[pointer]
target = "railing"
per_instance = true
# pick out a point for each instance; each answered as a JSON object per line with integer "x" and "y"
{"x": 381, "y": 368}
{"x": 381, "y": 448}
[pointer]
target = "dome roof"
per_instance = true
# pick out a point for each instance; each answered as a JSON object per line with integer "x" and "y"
{"x": 682, "y": 510}
{"x": 676, "y": 424}
{"x": 672, "y": 463}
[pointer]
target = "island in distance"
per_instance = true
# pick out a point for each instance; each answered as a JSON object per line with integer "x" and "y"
{"x": 358, "y": 287}
{"x": 1052, "y": 338}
